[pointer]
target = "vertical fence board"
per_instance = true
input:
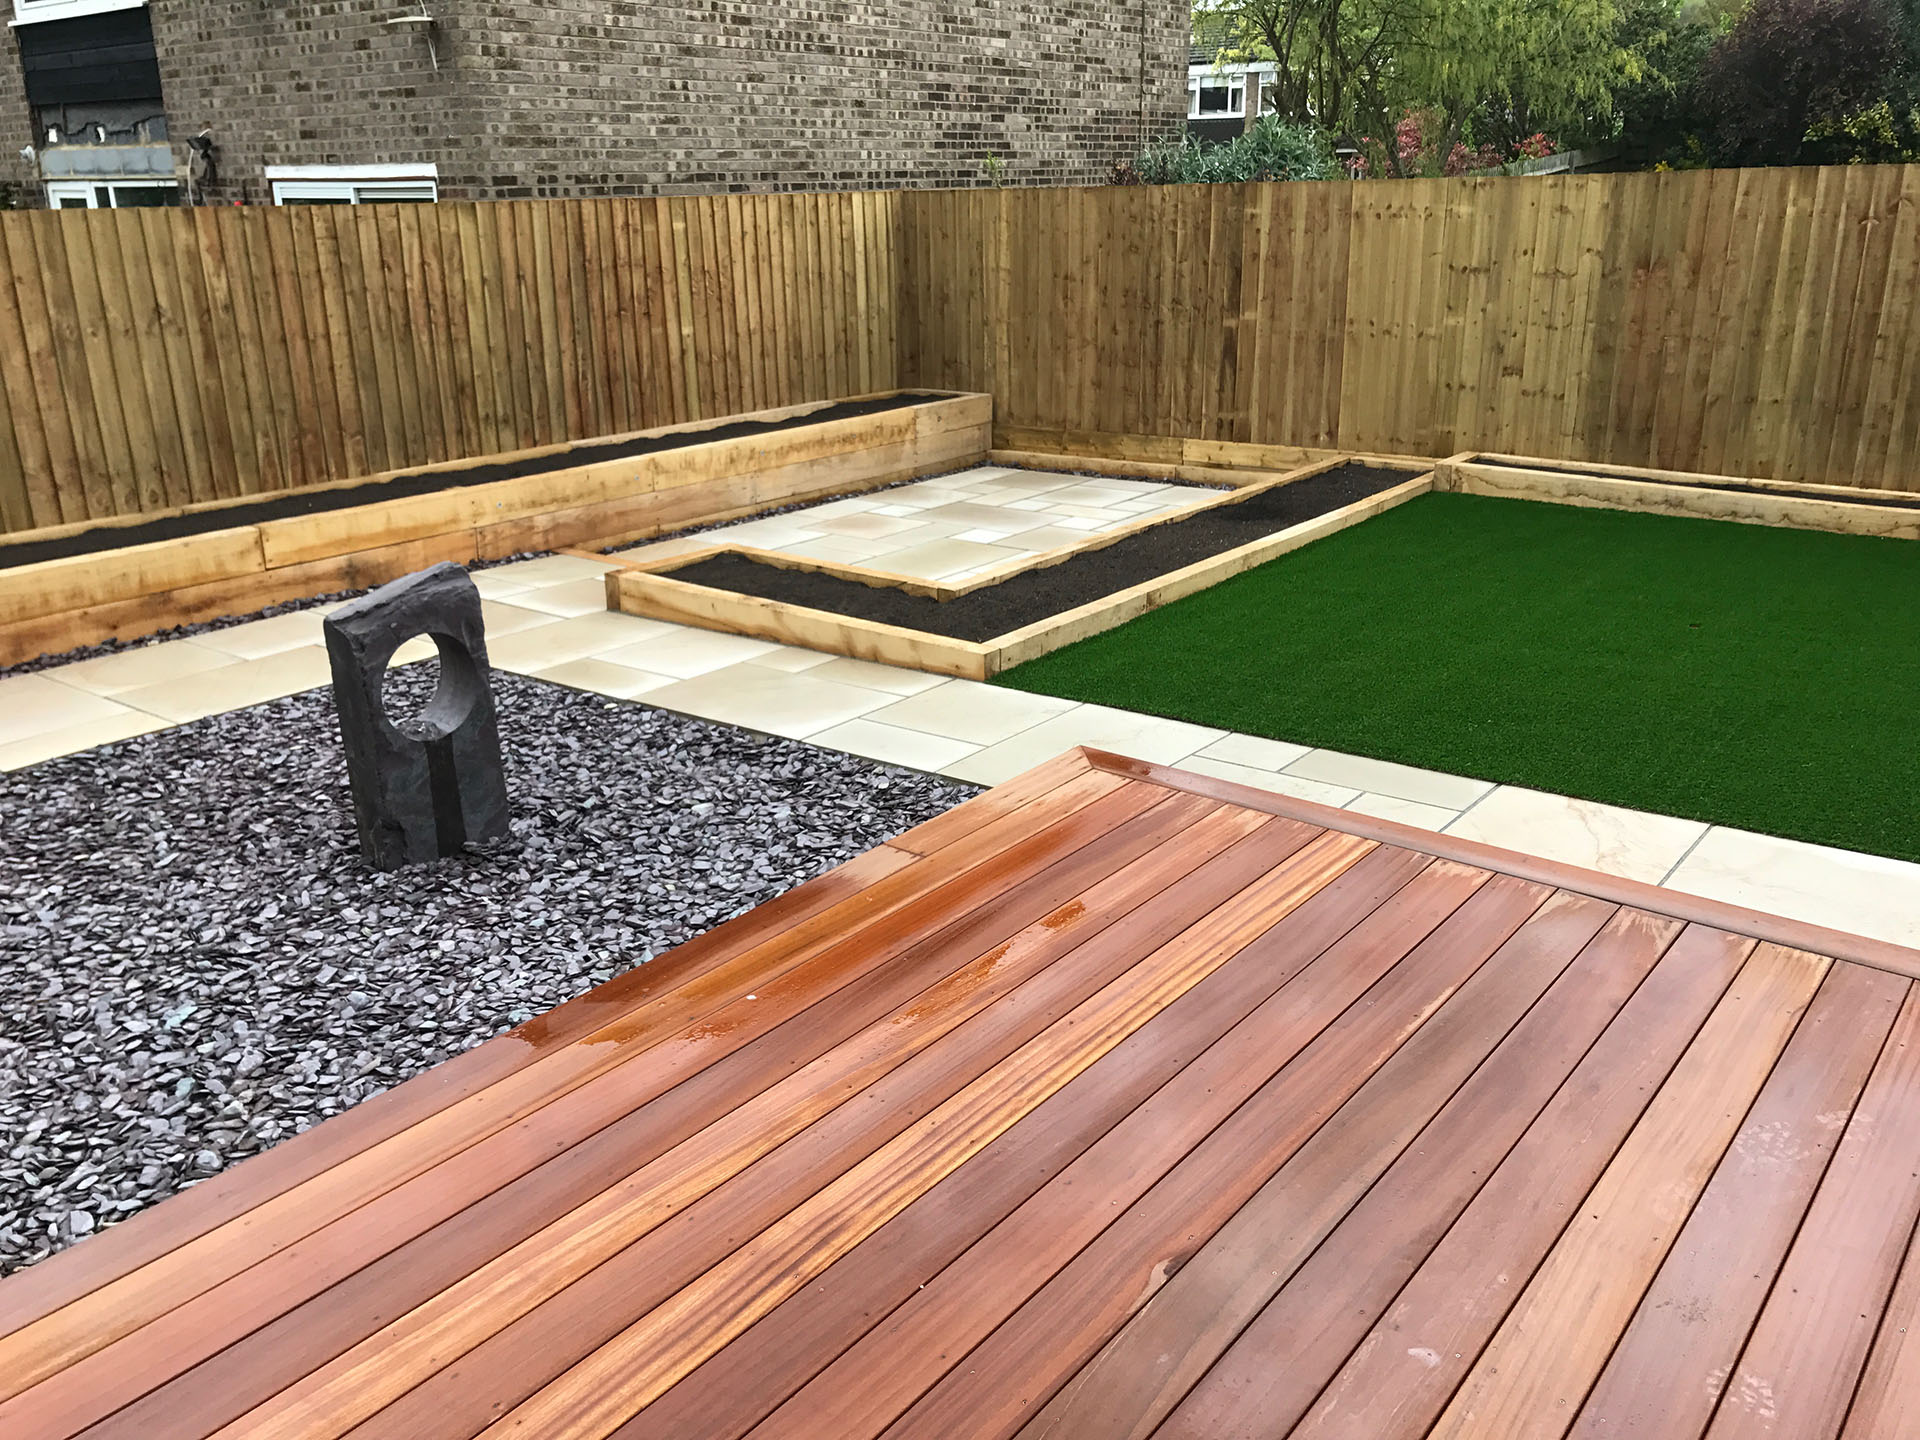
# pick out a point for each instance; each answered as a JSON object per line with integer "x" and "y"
{"x": 281, "y": 272}
{"x": 777, "y": 333}
{"x": 1889, "y": 380}
{"x": 445, "y": 317}
{"x": 626, "y": 313}
{"x": 68, "y": 236}
{"x": 147, "y": 352}
{"x": 355, "y": 341}
{"x": 405, "y": 269}
{"x": 16, "y": 504}
{"x": 676, "y": 258}
{"x": 552, "y": 252}
{"x": 38, "y": 430}
{"x": 273, "y": 331}
{"x": 130, "y": 363}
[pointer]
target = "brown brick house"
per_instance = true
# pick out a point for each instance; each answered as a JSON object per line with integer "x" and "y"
{"x": 356, "y": 100}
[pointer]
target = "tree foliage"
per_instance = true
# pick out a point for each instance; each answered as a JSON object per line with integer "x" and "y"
{"x": 1515, "y": 66}
{"x": 1433, "y": 87}
{"x": 1656, "y": 117}
{"x": 1811, "y": 80}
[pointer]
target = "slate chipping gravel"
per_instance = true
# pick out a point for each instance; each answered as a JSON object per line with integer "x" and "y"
{"x": 195, "y": 963}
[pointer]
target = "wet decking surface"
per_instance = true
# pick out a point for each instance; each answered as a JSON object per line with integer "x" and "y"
{"x": 1115, "y": 1103}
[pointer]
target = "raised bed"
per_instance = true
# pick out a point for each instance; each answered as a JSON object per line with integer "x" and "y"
{"x": 173, "y": 570}
{"x": 1018, "y": 614}
{"x": 1840, "y": 509}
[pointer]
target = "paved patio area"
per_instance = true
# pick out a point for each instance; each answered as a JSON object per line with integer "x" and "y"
{"x": 546, "y": 618}
{"x": 955, "y": 527}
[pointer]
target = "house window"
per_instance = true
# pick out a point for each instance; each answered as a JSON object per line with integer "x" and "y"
{"x": 354, "y": 184}
{"x": 93, "y": 83}
{"x": 1216, "y": 97}
{"x": 343, "y": 192}
{"x": 29, "y": 12}
{"x": 111, "y": 194}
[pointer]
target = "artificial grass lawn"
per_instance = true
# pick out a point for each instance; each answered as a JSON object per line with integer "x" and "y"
{"x": 1761, "y": 678}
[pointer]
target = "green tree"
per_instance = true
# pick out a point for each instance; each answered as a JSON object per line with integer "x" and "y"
{"x": 1814, "y": 82}
{"x": 1656, "y": 117}
{"x": 1360, "y": 65}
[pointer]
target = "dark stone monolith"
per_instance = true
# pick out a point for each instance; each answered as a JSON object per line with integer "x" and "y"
{"x": 424, "y": 787}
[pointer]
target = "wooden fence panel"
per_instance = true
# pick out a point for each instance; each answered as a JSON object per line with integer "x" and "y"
{"x": 1744, "y": 322}
{"x": 159, "y": 358}
{"x": 1747, "y": 322}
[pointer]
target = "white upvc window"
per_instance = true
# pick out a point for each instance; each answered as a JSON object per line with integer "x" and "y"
{"x": 1216, "y": 97}
{"x": 354, "y": 184}
{"x": 111, "y": 194}
{"x": 28, "y": 12}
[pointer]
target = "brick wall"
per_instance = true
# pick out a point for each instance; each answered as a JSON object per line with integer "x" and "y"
{"x": 16, "y": 120}
{"x": 682, "y": 95}
{"x": 627, "y": 97}
{"x": 309, "y": 84}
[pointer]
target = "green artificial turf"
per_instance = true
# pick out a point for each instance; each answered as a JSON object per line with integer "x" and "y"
{"x": 1761, "y": 678}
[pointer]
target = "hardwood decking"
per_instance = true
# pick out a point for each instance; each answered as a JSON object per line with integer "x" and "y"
{"x": 1116, "y": 1102}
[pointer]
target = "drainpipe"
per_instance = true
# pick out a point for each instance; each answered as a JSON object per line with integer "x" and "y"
{"x": 1146, "y": 11}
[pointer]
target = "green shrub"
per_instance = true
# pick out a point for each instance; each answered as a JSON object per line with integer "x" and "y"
{"x": 1274, "y": 149}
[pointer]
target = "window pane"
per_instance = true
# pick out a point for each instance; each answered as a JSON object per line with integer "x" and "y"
{"x": 399, "y": 193}
{"x": 145, "y": 197}
{"x": 1215, "y": 100}
{"x": 316, "y": 200}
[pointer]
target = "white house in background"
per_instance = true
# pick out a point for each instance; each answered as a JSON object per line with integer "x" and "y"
{"x": 1223, "y": 97}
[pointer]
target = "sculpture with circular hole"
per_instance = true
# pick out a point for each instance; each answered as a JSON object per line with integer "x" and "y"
{"x": 426, "y": 785}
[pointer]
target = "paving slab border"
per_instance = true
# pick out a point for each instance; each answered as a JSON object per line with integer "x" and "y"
{"x": 1717, "y": 914}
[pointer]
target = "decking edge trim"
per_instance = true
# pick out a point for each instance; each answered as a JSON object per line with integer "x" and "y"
{"x": 1694, "y": 909}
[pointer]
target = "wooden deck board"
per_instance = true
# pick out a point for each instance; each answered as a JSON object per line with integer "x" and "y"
{"x": 1117, "y": 1102}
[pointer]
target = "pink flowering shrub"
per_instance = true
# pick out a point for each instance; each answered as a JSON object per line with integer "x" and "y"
{"x": 1417, "y": 149}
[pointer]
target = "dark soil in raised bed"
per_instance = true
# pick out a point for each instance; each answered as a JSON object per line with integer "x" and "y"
{"x": 1737, "y": 487}
{"x": 1037, "y": 594}
{"x": 420, "y": 482}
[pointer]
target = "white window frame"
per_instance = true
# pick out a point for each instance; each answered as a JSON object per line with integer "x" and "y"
{"x": 354, "y": 184}
{"x": 58, "y": 190}
{"x": 1236, "y": 88}
{"x": 32, "y": 12}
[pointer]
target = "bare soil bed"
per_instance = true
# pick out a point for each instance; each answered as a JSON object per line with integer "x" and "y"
{"x": 1039, "y": 594}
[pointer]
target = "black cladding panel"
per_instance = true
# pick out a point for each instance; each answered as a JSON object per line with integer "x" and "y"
{"x": 94, "y": 58}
